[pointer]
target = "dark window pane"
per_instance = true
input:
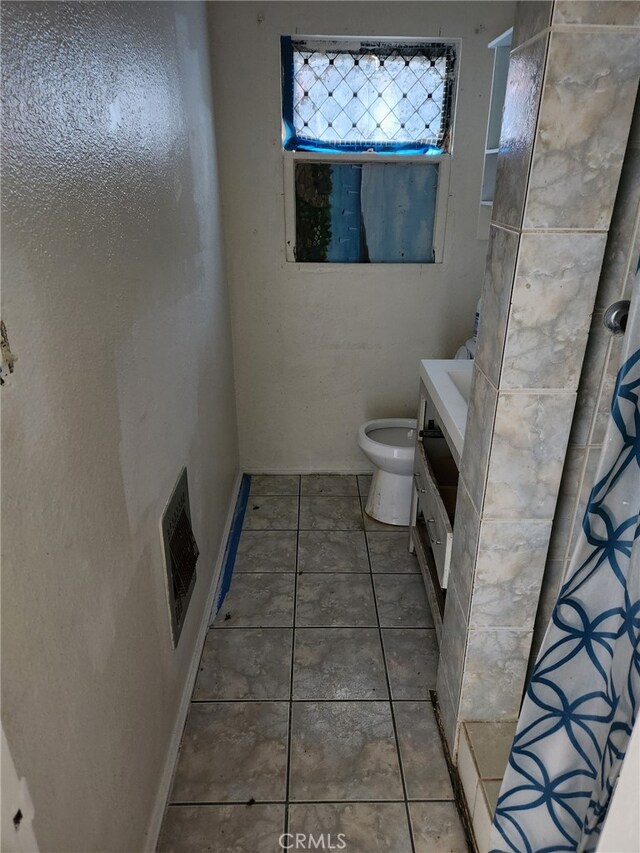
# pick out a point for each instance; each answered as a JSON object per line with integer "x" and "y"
{"x": 365, "y": 213}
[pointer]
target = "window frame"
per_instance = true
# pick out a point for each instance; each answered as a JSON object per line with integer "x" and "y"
{"x": 291, "y": 157}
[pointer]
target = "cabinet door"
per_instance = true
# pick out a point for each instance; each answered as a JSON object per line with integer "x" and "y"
{"x": 435, "y": 515}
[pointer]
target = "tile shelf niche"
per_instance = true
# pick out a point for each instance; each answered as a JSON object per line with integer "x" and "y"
{"x": 501, "y": 47}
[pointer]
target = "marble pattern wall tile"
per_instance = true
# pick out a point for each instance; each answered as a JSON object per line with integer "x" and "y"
{"x": 623, "y": 243}
{"x": 560, "y": 533}
{"x": 560, "y": 158}
{"x": 582, "y": 129}
{"x": 464, "y": 547}
{"x": 588, "y": 481}
{"x": 452, "y": 647}
{"x": 524, "y": 85}
{"x": 532, "y": 16}
{"x": 605, "y": 395}
{"x": 494, "y": 674}
{"x": 552, "y": 581}
{"x": 496, "y": 297}
{"x": 555, "y": 285}
{"x": 633, "y": 266}
{"x": 596, "y": 354}
{"x": 509, "y": 570}
{"x": 571, "y": 479}
{"x": 527, "y": 454}
{"x": 477, "y": 440}
{"x": 449, "y": 716}
{"x": 620, "y": 13}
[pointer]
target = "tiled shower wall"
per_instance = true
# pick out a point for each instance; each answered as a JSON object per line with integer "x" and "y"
{"x": 571, "y": 89}
{"x": 601, "y": 363}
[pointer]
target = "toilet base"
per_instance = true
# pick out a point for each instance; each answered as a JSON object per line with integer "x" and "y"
{"x": 389, "y": 498}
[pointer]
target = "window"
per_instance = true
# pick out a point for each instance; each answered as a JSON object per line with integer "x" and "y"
{"x": 369, "y": 95}
{"x": 367, "y": 129}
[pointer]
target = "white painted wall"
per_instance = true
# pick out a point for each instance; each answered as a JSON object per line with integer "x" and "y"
{"x": 115, "y": 300}
{"x": 319, "y": 351}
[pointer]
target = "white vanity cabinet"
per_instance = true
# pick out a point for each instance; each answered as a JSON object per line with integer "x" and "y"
{"x": 436, "y": 463}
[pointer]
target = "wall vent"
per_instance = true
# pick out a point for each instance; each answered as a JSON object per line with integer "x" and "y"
{"x": 180, "y": 553}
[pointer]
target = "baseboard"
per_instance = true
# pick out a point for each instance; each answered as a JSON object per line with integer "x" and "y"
{"x": 157, "y": 815}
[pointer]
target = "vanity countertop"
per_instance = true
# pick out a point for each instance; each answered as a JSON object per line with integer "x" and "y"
{"x": 448, "y": 382}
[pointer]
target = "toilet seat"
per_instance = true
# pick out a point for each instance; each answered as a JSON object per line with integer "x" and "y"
{"x": 394, "y": 434}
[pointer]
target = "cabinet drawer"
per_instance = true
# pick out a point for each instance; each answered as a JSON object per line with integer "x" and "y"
{"x": 436, "y": 518}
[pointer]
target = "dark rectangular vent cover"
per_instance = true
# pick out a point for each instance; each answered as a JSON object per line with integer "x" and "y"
{"x": 180, "y": 553}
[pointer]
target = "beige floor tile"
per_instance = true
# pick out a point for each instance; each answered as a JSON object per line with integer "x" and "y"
{"x": 364, "y": 484}
{"x": 271, "y": 513}
{"x": 258, "y": 600}
{"x": 223, "y": 829}
{"x": 232, "y": 752}
{"x": 343, "y": 751}
{"x": 373, "y": 524}
{"x": 248, "y": 663}
{"x": 274, "y": 484}
{"x": 336, "y": 485}
{"x": 338, "y": 663}
{"x": 402, "y": 601}
{"x": 322, "y": 513}
{"x": 389, "y": 552}
{"x": 344, "y": 600}
{"x": 437, "y": 828}
{"x": 332, "y": 551}
{"x": 266, "y": 551}
{"x": 425, "y": 769}
{"x": 490, "y": 745}
{"x": 412, "y": 661}
{"x": 361, "y": 827}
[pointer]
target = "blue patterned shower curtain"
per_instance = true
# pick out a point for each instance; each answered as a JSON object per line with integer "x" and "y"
{"x": 584, "y": 692}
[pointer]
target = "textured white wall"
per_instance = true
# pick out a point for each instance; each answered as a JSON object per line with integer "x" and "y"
{"x": 116, "y": 304}
{"x": 319, "y": 352}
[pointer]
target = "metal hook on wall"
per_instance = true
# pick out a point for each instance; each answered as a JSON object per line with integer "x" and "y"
{"x": 615, "y": 317}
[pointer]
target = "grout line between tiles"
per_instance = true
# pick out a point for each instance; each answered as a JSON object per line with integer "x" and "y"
{"x": 391, "y": 709}
{"x": 184, "y": 803}
{"x": 291, "y": 672}
{"x": 302, "y": 701}
{"x": 280, "y": 627}
{"x": 322, "y": 572}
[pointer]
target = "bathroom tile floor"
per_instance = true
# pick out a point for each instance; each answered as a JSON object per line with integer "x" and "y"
{"x": 311, "y": 714}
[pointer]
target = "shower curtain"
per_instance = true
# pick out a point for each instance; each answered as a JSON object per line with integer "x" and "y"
{"x": 583, "y": 695}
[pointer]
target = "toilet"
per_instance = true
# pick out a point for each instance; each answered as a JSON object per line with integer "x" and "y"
{"x": 389, "y": 444}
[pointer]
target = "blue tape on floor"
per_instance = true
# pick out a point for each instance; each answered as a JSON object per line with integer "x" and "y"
{"x": 232, "y": 542}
